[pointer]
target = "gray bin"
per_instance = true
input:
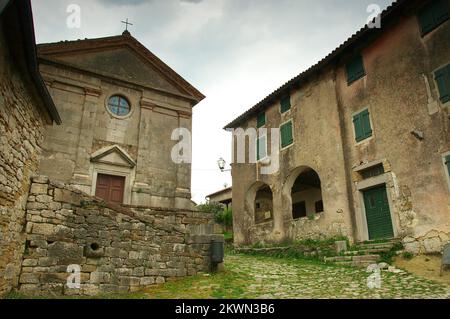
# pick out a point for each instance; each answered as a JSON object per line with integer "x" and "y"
{"x": 217, "y": 251}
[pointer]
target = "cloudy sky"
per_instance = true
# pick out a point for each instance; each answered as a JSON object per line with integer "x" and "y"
{"x": 234, "y": 51}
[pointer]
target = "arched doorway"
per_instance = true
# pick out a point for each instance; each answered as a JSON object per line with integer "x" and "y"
{"x": 305, "y": 193}
{"x": 263, "y": 204}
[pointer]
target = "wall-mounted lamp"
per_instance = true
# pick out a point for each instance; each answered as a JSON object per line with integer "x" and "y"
{"x": 222, "y": 163}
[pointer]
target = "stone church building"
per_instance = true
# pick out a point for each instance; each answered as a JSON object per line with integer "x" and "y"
{"x": 119, "y": 104}
{"x": 364, "y": 140}
{"x": 87, "y": 176}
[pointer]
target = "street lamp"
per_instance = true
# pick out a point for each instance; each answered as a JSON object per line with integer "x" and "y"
{"x": 221, "y": 163}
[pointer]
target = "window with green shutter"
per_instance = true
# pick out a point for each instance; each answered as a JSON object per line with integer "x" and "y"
{"x": 261, "y": 120}
{"x": 355, "y": 69}
{"x": 361, "y": 122}
{"x": 285, "y": 104}
{"x": 442, "y": 77}
{"x": 261, "y": 147}
{"x": 432, "y": 15}
{"x": 286, "y": 134}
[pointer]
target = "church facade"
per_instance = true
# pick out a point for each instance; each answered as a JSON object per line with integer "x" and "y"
{"x": 120, "y": 105}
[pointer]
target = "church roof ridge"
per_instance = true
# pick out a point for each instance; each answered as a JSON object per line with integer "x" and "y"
{"x": 46, "y": 50}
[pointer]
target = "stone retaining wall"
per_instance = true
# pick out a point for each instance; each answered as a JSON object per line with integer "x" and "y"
{"x": 119, "y": 249}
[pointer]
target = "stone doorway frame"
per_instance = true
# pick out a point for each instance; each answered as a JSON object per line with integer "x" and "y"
{"x": 361, "y": 186}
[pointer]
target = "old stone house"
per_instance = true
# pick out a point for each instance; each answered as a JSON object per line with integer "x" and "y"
{"x": 364, "y": 140}
{"x": 25, "y": 108}
{"x": 120, "y": 105}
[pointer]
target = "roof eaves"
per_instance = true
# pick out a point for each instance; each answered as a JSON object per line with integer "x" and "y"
{"x": 358, "y": 36}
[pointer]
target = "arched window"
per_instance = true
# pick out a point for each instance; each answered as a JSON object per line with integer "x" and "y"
{"x": 306, "y": 194}
{"x": 118, "y": 105}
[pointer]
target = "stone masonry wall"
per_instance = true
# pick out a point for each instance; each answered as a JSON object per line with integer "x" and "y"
{"x": 119, "y": 249}
{"x": 21, "y": 134}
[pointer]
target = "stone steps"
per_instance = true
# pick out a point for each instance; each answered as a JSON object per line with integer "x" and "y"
{"x": 358, "y": 261}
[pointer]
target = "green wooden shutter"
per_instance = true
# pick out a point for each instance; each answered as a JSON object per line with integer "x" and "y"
{"x": 365, "y": 122}
{"x": 286, "y": 134}
{"x": 447, "y": 161}
{"x": 442, "y": 77}
{"x": 261, "y": 120}
{"x": 426, "y": 20}
{"x": 359, "y": 133}
{"x": 285, "y": 104}
{"x": 441, "y": 11}
{"x": 432, "y": 15}
{"x": 355, "y": 69}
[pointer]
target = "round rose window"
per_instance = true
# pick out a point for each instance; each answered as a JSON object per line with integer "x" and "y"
{"x": 118, "y": 105}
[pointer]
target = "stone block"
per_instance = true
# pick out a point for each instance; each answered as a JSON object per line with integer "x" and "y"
{"x": 99, "y": 277}
{"x": 29, "y": 262}
{"x": 29, "y": 278}
{"x": 412, "y": 247}
{"x": 41, "y": 179}
{"x": 147, "y": 281}
{"x": 44, "y": 199}
{"x": 432, "y": 245}
{"x": 43, "y": 229}
{"x": 66, "y": 196}
{"x": 39, "y": 189}
{"x": 66, "y": 253}
{"x": 47, "y": 261}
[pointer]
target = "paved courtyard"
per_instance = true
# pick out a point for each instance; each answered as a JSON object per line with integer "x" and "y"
{"x": 264, "y": 277}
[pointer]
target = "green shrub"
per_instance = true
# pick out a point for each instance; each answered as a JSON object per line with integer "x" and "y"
{"x": 407, "y": 255}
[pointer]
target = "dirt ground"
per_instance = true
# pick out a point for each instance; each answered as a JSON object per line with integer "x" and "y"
{"x": 428, "y": 267}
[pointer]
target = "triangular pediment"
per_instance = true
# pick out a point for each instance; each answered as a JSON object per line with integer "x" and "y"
{"x": 113, "y": 155}
{"x": 122, "y": 58}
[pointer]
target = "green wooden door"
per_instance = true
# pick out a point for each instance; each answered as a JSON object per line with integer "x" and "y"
{"x": 378, "y": 214}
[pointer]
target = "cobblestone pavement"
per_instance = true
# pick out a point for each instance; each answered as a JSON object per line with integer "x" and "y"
{"x": 281, "y": 278}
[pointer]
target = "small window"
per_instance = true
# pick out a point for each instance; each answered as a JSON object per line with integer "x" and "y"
{"x": 363, "y": 128}
{"x": 319, "y": 206}
{"x": 442, "y": 77}
{"x": 355, "y": 69}
{"x": 433, "y": 15}
{"x": 261, "y": 120}
{"x": 285, "y": 104}
{"x": 118, "y": 105}
{"x": 261, "y": 147}
{"x": 286, "y": 134}
{"x": 299, "y": 210}
{"x": 373, "y": 171}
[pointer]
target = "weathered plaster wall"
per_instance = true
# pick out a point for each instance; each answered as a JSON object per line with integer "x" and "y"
{"x": 145, "y": 135}
{"x": 119, "y": 249}
{"x": 316, "y": 127}
{"x": 21, "y": 134}
{"x": 401, "y": 94}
